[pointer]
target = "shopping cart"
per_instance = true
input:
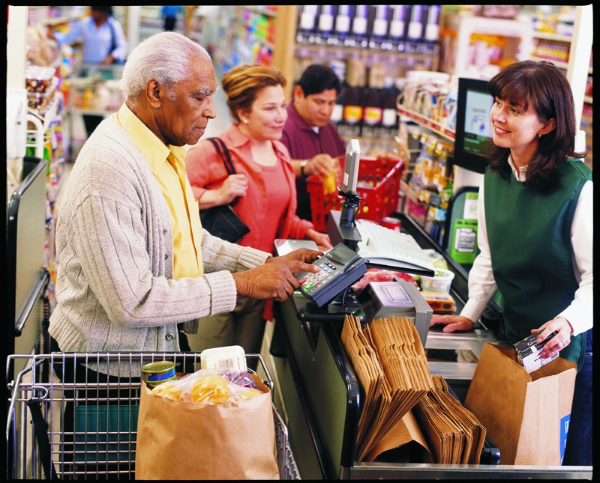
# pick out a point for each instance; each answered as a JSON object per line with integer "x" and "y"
{"x": 67, "y": 427}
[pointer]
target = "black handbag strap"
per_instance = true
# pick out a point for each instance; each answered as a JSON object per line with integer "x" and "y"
{"x": 223, "y": 153}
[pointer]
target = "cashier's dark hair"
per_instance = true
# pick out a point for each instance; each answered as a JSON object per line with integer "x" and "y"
{"x": 542, "y": 86}
{"x": 317, "y": 78}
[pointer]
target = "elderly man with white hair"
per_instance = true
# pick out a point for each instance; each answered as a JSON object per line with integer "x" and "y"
{"x": 134, "y": 264}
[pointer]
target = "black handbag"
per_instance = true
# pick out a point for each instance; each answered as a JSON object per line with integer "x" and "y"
{"x": 222, "y": 220}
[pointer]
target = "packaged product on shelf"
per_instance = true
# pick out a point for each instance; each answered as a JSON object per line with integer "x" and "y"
{"x": 40, "y": 101}
{"x": 356, "y": 72}
{"x": 38, "y": 79}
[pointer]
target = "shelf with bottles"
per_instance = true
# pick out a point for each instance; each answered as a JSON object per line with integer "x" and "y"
{"x": 401, "y": 37}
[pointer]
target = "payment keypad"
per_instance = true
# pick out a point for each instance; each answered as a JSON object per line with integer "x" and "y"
{"x": 312, "y": 281}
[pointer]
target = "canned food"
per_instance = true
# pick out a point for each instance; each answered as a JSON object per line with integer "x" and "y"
{"x": 157, "y": 372}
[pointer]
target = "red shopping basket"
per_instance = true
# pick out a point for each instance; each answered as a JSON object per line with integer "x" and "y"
{"x": 378, "y": 186}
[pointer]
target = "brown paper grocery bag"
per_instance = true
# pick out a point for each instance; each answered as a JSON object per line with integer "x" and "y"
{"x": 191, "y": 441}
{"x": 525, "y": 415}
{"x": 404, "y": 434}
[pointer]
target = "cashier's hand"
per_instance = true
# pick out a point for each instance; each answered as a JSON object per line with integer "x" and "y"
{"x": 276, "y": 278}
{"x": 559, "y": 341}
{"x": 452, "y": 323}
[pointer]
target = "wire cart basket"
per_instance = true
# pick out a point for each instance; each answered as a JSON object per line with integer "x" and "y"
{"x": 61, "y": 425}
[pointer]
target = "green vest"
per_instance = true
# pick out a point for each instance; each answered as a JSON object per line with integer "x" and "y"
{"x": 530, "y": 246}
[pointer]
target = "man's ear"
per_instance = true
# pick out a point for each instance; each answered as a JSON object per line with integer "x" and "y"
{"x": 155, "y": 92}
{"x": 298, "y": 92}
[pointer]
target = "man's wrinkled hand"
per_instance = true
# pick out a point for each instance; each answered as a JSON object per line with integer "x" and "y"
{"x": 275, "y": 279}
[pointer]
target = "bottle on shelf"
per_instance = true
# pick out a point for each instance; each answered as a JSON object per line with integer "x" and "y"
{"x": 379, "y": 34}
{"x": 390, "y": 122}
{"x": 341, "y": 27}
{"x": 415, "y": 28}
{"x": 431, "y": 33}
{"x": 398, "y": 24}
{"x": 337, "y": 115}
{"x": 353, "y": 111}
{"x": 325, "y": 26}
{"x": 372, "y": 112}
{"x": 306, "y": 25}
{"x": 359, "y": 38}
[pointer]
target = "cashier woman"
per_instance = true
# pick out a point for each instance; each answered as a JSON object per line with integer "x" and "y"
{"x": 535, "y": 235}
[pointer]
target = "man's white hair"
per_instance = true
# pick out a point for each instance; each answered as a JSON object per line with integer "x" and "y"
{"x": 166, "y": 57}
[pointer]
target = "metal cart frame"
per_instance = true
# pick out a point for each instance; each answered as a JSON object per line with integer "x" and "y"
{"x": 96, "y": 436}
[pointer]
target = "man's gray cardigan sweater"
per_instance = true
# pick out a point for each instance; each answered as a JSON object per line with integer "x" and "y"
{"x": 115, "y": 289}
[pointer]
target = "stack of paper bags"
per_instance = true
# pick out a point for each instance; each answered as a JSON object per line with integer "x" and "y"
{"x": 391, "y": 365}
{"x": 403, "y": 403}
{"x": 453, "y": 433}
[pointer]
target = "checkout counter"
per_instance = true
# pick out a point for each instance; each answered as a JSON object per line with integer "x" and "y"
{"x": 321, "y": 393}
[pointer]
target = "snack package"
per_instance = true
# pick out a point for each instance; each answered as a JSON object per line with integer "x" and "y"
{"x": 210, "y": 387}
{"x": 527, "y": 352}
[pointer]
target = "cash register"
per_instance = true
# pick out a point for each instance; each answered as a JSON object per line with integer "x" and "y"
{"x": 358, "y": 245}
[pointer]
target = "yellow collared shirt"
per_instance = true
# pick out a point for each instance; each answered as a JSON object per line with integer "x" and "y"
{"x": 168, "y": 167}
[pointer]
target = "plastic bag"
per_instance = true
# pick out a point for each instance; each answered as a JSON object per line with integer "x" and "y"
{"x": 209, "y": 387}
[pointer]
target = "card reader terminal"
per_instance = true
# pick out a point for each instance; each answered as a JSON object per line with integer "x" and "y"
{"x": 340, "y": 267}
{"x": 400, "y": 298}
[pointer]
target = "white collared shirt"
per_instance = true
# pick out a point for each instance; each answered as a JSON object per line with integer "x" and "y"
{"x": 482, "y": 285}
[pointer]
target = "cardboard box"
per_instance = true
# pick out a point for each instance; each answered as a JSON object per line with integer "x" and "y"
{"x": 526, "y": 415}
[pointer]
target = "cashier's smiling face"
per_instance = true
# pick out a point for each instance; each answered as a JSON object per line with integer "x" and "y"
{"x": 184, "y": 119}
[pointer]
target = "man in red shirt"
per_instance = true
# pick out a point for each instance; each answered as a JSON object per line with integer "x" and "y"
{"x": 311, "y": 138}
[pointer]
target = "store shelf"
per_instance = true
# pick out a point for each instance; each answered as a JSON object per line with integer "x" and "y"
{"x": 552, "y": 36}
{"x": 263, "y": 11}
{"x": 245, "y": 35}
{"x": 433, "y": 126}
